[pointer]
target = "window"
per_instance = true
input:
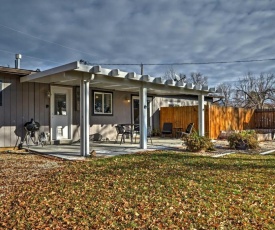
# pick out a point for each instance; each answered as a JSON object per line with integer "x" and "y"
{"x": 1, "y": 93}
{"x": 60, "y": 104}
{"x": 103, "y": 103}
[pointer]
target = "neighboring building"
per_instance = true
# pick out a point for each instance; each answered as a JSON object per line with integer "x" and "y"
{"x": 53, "y": 99}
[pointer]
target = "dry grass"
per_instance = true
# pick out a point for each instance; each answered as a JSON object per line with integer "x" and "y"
{"x": 156, "y": 190}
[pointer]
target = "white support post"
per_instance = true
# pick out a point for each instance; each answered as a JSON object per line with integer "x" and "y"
{"x": 143, "y": 117}
{"x": 201, "y": 115}
{"x": 84, "y": 118}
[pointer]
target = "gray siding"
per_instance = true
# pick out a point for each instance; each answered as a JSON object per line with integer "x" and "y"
{"x": 105, "y": 125}
{"x": 21, "y": 102}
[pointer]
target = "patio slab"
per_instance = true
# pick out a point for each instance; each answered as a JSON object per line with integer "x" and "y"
{"x": 104, "y": 149}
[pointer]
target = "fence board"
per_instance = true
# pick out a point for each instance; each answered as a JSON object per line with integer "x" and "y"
{"x": 264, "y": 119}
{"x": 217, "y": 118}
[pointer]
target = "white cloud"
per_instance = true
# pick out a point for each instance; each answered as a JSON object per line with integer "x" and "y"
{"x": 155, "y": 31}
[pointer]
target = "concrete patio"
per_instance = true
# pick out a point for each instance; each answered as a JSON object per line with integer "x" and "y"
{"x": 105, "y": 149}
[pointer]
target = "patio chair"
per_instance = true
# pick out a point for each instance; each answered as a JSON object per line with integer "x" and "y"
{"x": 149, "y": 133}
{"x": 167, "y": 129}
{"x": 137, "y": 132}
{"x": 123, "y": 132}
{"x": 188, "y": 130}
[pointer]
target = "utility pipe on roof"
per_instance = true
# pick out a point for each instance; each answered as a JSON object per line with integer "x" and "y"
{"x": 17, "y": 60}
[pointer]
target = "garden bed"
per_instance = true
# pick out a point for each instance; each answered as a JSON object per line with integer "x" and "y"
{"x": 222, "y": 146}
{"x": 262, "y": 134}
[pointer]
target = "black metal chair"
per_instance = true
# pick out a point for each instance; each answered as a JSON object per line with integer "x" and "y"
{"x": 188, "y": 130}
{"x": 149, "y": 133}
{"x": 137, "y": 132}
{"x": 167, "y": 129}
{"x": 123, "y": 132}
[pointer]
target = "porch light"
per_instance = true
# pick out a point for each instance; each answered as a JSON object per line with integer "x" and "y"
{"x": 48, "y": 94}
{"x": 127, "y": 99}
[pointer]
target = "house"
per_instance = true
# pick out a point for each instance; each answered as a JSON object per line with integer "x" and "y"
{"x": 75, "y": 100}
{"x": 18, "y": 103}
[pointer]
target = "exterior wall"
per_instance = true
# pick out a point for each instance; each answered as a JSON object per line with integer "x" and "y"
{"x": 20, "y": 103}
{"x": 105, "y": 124}
{"x": 122, "y": 114}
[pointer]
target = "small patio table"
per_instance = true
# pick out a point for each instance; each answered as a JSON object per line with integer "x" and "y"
{"x": 129, "y": 127}
{"x": 177, "y": 131}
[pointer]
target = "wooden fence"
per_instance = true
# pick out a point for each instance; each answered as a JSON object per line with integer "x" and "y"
{"x": 264, "y": 119}
{"x": 219, "y": 118}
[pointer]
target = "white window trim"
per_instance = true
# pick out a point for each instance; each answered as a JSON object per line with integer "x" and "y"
{"x": 103, "y": 95}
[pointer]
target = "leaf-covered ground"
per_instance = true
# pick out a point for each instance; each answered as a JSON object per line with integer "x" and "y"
{"x": 161, "y": 190}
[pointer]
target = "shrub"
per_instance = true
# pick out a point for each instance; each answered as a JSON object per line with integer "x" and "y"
{"x": 246, "y": 139}
{"x": 196, "y": 143}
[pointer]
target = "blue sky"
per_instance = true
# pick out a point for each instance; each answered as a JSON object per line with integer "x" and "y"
{"x": 50, "y": 33}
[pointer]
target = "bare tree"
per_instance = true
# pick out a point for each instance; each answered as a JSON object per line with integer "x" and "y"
{"x": 171, "y": 74}
{"x": 226, "y": 93}
{"x": 238, "y": 99}
{"x": 250, "y": 92}
{"x": 197, "y": 79}
{"x": 254, "y": 92}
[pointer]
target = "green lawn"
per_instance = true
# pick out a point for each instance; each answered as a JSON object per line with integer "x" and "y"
{"x": 164, "y": 190}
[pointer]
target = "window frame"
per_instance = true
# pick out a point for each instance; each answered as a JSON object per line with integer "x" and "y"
{"x": 58, "y": 108}
{"x": 103, "y": 93}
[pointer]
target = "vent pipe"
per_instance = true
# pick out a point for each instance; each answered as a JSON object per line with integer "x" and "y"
{"x": 17, "y": 61}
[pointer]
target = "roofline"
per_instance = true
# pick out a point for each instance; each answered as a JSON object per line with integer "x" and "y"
{"x": 116, "y": 74}
{"x": 55, "y": 70}
{"x": 21, "y": 72}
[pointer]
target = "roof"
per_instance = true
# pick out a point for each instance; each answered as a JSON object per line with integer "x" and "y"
{"x": 113, "y": 79}
{"x": 21, "y": 72}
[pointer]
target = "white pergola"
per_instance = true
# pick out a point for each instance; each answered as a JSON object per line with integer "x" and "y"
{"x": 83, "y": 75}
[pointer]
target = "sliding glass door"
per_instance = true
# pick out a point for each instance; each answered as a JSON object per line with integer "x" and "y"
{"x": 136, "y": 112}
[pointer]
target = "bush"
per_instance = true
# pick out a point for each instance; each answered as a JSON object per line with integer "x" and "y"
{"x": 196, "y": 143}
{"x": 243, "y": 140}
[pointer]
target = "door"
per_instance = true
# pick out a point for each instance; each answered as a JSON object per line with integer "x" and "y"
{"x": 136, "y": 113}
{"x": 61, "y": 112}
